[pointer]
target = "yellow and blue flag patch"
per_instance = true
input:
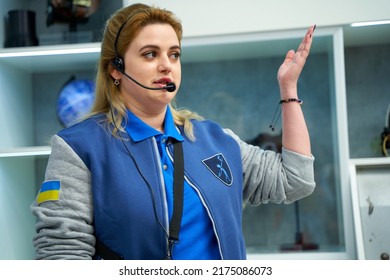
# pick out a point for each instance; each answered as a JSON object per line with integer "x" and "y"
{"x": 50, "y": 191}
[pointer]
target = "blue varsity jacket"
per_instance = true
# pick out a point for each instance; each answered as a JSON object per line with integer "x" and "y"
{"x": 128, "y": 188}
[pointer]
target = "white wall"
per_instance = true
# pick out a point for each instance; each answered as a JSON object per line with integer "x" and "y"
{"x": 211, "y": 17}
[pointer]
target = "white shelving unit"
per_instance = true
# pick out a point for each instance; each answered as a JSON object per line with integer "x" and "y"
{"x": 18, "y": 151}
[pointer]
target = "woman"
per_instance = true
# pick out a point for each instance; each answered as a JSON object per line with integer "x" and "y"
{"x": 110, "y": 181}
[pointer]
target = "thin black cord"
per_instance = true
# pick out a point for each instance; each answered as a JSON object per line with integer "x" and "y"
{"x": 276, "y": 116}
{"x": 279, "y": 108}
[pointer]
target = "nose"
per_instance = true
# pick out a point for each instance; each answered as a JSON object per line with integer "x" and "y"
{"x": 164, "y": 65}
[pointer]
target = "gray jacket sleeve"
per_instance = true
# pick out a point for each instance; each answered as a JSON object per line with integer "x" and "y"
{"x": 274, "y": 177}
{"x": 64, "y": 227}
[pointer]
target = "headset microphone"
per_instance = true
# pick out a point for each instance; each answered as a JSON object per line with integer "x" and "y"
{"x": 171, "y": 87}
{"x": 118, "y": 64}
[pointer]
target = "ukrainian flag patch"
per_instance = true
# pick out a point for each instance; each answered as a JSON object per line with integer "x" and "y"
{"x": 50, "y": 191}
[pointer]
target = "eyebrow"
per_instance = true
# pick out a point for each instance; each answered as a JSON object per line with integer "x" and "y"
{"x": 157, "y": 47}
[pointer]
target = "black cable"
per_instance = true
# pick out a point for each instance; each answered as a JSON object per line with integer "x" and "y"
{"x": 276, "y": 116}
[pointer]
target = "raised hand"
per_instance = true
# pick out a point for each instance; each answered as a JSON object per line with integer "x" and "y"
{"x": 293, "y": 64}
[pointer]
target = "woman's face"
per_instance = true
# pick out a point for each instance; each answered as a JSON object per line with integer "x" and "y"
{"x": 152, "y": 59}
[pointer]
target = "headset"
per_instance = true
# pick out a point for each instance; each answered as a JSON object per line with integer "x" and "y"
{"x": 117, "y": 62}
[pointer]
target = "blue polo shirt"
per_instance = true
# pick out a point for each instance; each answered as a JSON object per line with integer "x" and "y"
{"x": 197, "y": 240}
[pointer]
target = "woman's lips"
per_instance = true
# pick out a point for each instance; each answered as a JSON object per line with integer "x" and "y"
{"x": 163, "y": 82}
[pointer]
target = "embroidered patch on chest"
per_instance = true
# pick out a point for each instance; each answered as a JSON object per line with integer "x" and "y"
{"x": 219, "y": 167}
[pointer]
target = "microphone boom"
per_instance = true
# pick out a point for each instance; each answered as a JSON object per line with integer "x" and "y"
{"x": 171, "y": 87}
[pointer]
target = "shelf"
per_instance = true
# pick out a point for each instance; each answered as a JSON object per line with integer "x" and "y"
{"x": 52, "y": 58}
{"x": 370, "y": 161}
{"x": 25, "y": 152}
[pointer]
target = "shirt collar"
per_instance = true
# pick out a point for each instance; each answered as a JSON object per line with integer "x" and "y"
{"x": 139, "y": 131}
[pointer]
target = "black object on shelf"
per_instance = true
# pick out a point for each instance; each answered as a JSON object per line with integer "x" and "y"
{"x": 72, "y": 12}
{"x": 299, "y": 244}
{"x": 20, "y": 29}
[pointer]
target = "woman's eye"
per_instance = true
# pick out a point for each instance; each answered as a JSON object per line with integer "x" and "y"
{"x": 175, "y": 55}
{"x": 150, "y": 54}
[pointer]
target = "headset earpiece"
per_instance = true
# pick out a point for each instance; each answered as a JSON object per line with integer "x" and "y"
{"x": 117, "y": 62}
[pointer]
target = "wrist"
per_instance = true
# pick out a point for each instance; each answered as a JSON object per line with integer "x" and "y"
{"x": 279, "y": 109}
{"x": 288, "y": 92}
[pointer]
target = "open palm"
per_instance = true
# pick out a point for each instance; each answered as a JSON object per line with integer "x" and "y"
{"x": 294, "y": 62}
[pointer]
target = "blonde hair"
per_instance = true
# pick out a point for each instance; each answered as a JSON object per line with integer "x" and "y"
{"x": 108, "y": 100}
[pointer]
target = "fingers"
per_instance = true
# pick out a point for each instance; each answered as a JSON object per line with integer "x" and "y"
{"x": 312, "y": 29}
{"x": 309, "y": 33}
{"x": 304, "y": 47}
{"x": 296, "y": 59}
{"x": 306, "y": 41}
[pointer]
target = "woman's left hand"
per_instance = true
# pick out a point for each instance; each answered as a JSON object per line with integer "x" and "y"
{"x": 293, "y": 64}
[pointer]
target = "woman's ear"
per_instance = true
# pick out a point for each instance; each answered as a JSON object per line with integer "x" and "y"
{"x": 114, "y": 73}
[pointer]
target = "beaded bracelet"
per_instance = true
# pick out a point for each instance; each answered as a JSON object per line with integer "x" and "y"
{"x": 299, "y": 101}
{"x": 279, "y": 109}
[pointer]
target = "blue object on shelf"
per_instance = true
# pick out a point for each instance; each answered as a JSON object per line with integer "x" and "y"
{"x": 75, "y": 100}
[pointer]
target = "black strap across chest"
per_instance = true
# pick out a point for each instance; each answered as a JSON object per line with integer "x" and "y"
{"x": 178, "y": 193}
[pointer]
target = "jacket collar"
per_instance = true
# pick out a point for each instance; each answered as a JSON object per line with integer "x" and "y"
{"x": 139, "y": 131}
